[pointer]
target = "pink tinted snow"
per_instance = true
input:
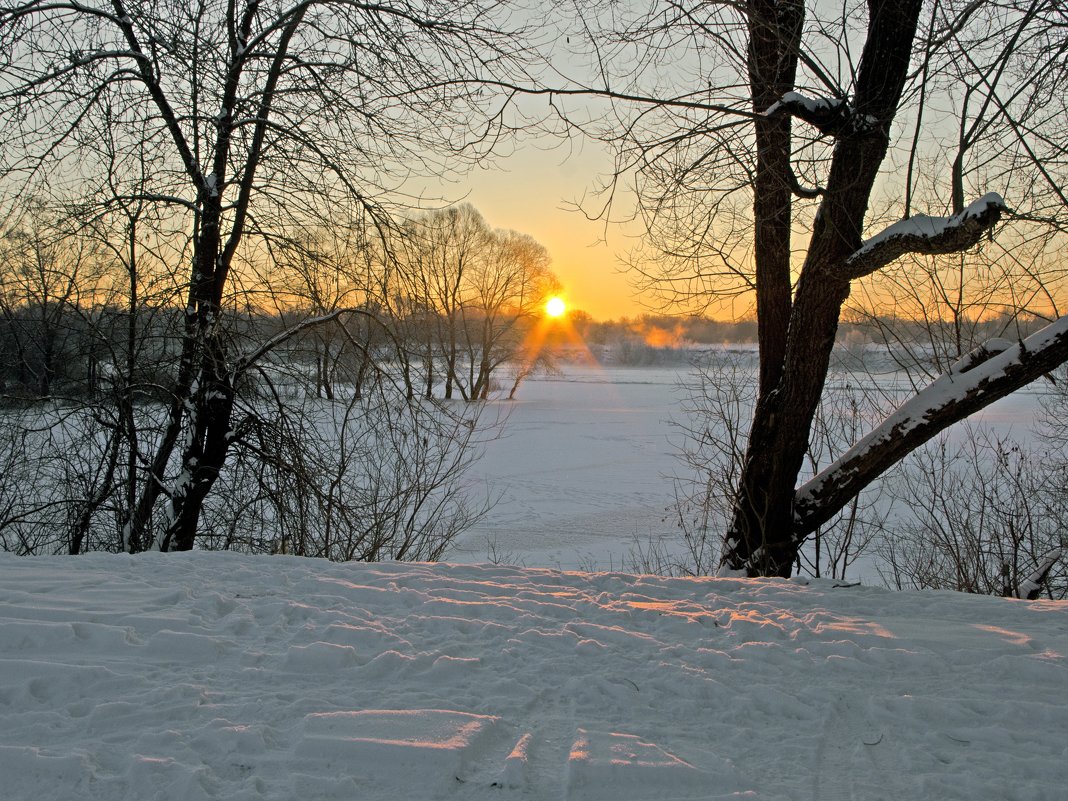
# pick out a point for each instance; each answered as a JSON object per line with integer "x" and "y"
{"x": 406, "y": 728}
{"x": 759, "y": 688}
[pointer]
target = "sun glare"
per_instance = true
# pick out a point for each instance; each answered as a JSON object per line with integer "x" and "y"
{"x": 555, "y": 307}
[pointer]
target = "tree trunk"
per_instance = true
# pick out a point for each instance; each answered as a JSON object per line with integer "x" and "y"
{"x": 204, "y": 391}
{"x": 760, "y": 539}
{"x": 774, "y": 38}
{"x": 205, "y": 454}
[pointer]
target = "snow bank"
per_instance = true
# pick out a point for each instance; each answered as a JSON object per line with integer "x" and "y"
{"x": 216, "y": 676}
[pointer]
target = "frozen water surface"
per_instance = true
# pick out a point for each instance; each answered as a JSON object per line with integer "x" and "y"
{"x": 585, "y": 464}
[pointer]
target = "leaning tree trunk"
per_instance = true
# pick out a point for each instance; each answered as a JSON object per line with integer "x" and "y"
{"x": 976, "y": 381}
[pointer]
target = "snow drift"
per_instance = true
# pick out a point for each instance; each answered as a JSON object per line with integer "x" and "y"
{"x": 217, "y": 676}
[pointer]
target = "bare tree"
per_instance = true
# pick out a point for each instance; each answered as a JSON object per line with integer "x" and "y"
{"x": 985, "y": 516}
{"x": 438, "y": 252}
{"x": 255, "y": 118}
{"x": 366, "y": 474}
{"x": 45, "y": 279}
{"x": 472, "y": 291}
{"x": 743, "y": 124}
{"x": 508, "y": 291}
{"x": 319, "y": 273}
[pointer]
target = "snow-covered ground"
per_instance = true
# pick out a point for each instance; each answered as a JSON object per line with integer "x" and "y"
{"x": 184, "y": 677}
{"x": 221, "y": 676}
{"x": 584, "y": 467}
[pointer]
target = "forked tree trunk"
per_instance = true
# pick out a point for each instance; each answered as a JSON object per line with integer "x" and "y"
{"x": 771, "y": 519}
{"x": 760, "y": 538}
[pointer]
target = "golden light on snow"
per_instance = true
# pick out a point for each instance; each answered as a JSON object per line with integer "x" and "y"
{"x": 555, "y": 307}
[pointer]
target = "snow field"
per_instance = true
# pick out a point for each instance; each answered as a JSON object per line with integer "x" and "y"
{"x": 584, "y": 468}
{"x": 219, "y": 676}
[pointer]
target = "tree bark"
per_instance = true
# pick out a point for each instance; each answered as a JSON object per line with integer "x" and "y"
{"x": 774, "y": 39}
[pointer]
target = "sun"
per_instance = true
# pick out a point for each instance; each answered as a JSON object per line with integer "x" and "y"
{"x": 555, "y": 307}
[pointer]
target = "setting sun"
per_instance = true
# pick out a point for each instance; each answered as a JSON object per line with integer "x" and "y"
{"x": 555, "y": 307}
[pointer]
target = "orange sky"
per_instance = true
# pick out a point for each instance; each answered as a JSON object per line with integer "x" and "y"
{"x": 528, "y": 192}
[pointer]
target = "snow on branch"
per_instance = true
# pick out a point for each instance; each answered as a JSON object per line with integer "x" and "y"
{"x": 927, "y": 235}
{"x": 975, "y": 357}
{"x": 829, "y": 115}
{"x": 972, "y": 384}
{"x": 1031, "y": 587}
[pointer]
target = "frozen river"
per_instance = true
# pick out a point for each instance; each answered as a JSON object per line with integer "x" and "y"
{"x": 584, "y": 467}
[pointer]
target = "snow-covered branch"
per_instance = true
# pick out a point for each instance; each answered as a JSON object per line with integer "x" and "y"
{"x": 807, "y": 192}
{"x": 828, "y": 115}
{"x": 975, "y": 357}
{"x": 1030, "y": 587}
{"x": 927, "y": 235}
{"x": 971, "y": 385}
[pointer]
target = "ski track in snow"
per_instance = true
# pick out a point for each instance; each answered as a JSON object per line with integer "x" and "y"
{"x": 219, "y": 676}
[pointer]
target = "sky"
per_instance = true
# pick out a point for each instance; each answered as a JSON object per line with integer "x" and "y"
{"x": 533, "y": 191}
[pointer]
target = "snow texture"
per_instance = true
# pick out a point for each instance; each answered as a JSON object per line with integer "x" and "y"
{"x": 218, "y": 676}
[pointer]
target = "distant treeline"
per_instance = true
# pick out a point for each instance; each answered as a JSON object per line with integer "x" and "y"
{"x": 62, "y": 348}
{"x": 667, "y": 331}
{"x": 665, "y": 339}
{"x": 67, "y": 349}
{"x": 663, "y": 331}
